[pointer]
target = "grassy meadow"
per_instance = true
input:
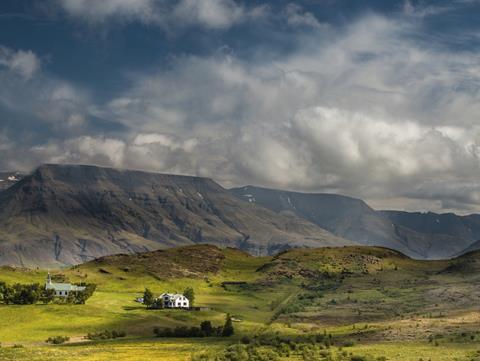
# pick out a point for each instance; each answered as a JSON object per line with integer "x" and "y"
{"x": 366, "y": 302}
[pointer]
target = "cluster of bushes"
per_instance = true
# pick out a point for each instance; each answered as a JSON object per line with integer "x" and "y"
{"x": 206, "y": 329}
{"x": 239, "y": 353}
{"x": 106, "y": 335}
{"x": 57, "y": 340}
{"x": 79, "y": 298}
{"x": 25, "y": 294}
{"x": 29, "y": 294}
{"x": 303, "y": 351}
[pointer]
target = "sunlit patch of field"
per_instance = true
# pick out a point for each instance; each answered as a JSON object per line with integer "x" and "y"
{"x": 126, "y": 350}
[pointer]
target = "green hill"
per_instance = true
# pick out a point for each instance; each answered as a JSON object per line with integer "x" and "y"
{"x": 375, "y": 300}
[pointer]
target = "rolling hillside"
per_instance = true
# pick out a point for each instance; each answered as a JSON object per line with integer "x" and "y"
{"x": 370, "y": 301}
{"x": 63, "y": 215}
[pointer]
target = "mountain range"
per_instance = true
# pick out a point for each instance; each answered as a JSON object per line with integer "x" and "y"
{"x": 418, "y": 235}
{"x": 68, "y": 214}
{"x": 62, "y": 215}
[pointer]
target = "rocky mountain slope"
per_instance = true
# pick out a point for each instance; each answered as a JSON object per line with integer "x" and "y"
{"x": 63, "y": 215}
{"x": 448, "y": 234}
{"x": 419, "y": 235}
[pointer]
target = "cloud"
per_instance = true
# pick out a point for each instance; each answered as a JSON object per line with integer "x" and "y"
{"x": 35, "y": 105}
{"x": 211, "y": 14}
{"x": 98, "y": 11}
{"x": 20, "y": 62}
{"x": 366, "y": 111}
{"x": 422, "y": 10}
{"x": 297, "y": 17}
{"x": 369, "y": 114}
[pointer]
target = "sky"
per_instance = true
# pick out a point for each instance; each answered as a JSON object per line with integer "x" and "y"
{"x": 374, "y": 99}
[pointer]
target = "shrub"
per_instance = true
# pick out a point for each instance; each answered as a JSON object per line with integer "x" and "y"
{"x": 205, "y": 330}
{"x": 348, "y": 343}
{"x": 57, "y": 340}
{"x": 106, "y": 335}
{"x": 245, "y": 340}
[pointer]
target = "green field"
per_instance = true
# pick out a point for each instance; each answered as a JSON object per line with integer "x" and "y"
{"x": 354, "y": 301}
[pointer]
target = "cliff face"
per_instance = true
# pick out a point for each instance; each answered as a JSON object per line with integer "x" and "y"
{"x": 63, "y": 214}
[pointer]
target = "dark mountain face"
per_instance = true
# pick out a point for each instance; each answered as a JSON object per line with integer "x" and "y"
{"x": 62, "y": 215}
{"x": 345, "y": 216}
{"x": 450, "y": 234}
{"x": 415, "y": 234}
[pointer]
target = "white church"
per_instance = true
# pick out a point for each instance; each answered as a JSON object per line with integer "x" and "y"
{"x": 62, "y": 289}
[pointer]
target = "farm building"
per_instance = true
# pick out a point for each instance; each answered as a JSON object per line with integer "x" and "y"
{"x": 62, "y": 289}
{"x": 174, "y": 300}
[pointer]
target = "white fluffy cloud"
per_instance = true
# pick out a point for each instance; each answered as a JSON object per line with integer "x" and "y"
{"x": 365, "y": 112}
{"x": 368, "y": 114}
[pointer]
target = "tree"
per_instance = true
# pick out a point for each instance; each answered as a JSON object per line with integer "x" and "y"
{"x": 207, "y": 328}
{"x": 228, "y": 327}
{"x": 148, "y": 298}
{"x": 48, "y": 296}
{"x": 3, "y": 287}
{"x": 189, "y": 293}
{"x": 157, "y": 304}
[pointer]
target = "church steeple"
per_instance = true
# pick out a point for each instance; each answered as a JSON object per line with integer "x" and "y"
{"x": 49, "y": 278}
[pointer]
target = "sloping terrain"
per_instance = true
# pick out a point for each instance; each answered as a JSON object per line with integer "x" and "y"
{"x": 191, "y": 261}
{"x": 419, "y": 235}
{"x": 63, "y": 215}
{"x": 475, "y": 246}
{"x": 371, "y": 300}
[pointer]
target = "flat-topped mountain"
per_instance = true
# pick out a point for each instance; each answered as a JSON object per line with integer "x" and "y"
{"x": 419, "y": 235}
{"x": 65, "y": 214}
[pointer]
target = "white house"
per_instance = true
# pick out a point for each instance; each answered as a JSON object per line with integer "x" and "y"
{"x": 62, "y": 289}
{"x": 174, "y": 300}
